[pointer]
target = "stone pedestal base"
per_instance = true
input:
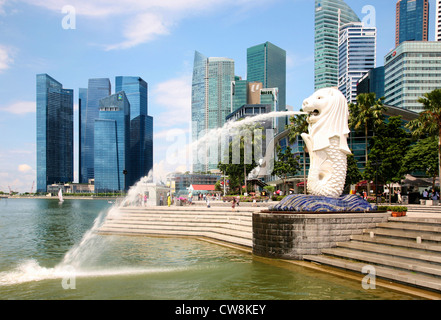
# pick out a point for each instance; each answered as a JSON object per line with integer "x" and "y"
{"x": 291, "y": 235}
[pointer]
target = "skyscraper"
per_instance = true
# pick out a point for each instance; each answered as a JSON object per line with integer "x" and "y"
{"x": 373, "y": 81}
{"x": 97, "y": 89}
{"x": 266, "y": 63}
{"x": 410, "y": 70}
{"x": 141, "y": 126}
{"x": 438, "y": 21}
{"x": 210, "y": 104}
{"x": 412, "y": 21}
{"x": 112, "y": 144}
{"x": 82, "y": 107}
{"x": 357, "y": 55}
{"x": 54, "y": 133}
{"x": 329, "y": 16}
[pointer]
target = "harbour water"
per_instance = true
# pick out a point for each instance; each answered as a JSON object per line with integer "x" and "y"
{"x": 47, "y": 252}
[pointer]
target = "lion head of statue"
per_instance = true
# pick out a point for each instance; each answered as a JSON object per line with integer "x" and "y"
{"x": 328, "y": 116}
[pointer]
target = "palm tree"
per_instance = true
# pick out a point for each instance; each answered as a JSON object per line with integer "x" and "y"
{"x": 366, "y": 114}
{"x": 297, "y": 126}
{"x": 428, "y": 122}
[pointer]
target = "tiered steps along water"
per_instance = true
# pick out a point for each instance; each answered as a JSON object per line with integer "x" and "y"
{"x": 219, "y": 223}
{"x": 405, "y": 250}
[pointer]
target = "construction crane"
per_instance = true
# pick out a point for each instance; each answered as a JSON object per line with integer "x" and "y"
{"x": 10, "y": 191}
{"x": 32, "y": 188}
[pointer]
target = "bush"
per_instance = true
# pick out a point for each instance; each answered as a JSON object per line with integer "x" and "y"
{"x": 393, "y": 208}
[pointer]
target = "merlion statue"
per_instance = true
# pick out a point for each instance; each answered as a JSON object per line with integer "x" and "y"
{"x": 326, "y": 141}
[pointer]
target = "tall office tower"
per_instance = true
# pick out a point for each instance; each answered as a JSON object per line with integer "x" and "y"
{"x": 141, "y": 126}
{"x": 373, "y": 81}
{"x": 412, "y": 21}
{"x": 97, "y": 89}
{"x": 357, "y": 55}
{"x": 329, "y": 16}
{"x": 410, "y": 70}
{"x": 239, "y": 94}
{"x": 266, "y": 63}
{"x": 54, "y": 133}
{"x": 112, "y": 144}
{"x": 210, "y": 104}
{"x": 438, "y": 21}
{"x": 82, "y": 104}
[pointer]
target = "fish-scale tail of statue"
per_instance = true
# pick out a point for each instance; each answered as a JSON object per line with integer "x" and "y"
{"x": 327, "y": 174}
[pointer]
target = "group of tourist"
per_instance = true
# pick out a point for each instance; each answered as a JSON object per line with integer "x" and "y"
{"x": 430, "y": 195}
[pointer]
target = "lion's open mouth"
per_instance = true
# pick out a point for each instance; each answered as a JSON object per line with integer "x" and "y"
{"x": 314, "y": 113}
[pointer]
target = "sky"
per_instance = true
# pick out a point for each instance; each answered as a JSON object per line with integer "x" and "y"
{"x": 75, "y": 40}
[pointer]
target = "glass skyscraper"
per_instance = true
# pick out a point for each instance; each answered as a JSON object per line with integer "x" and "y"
{"x": 357, "y": 55}
{"x": 410, "y": 70}
{"x": 266, "y": 63}
{"x": 211, "y": 103}
{"x": 54, "y": 133}
{"x": 412, "y": 21}
{"x": 112, "y": 143}
{"x": 141, "y": 126}
{"x": 98, "y": 89}
{"x": 373, "y": 81}
{"x": 82, "y": 107}
{"x": 329, "y": 16}
{"x": 438, "y": 21}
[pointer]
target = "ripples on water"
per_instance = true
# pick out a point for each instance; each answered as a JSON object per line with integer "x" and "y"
{"x": 43, "y": 243}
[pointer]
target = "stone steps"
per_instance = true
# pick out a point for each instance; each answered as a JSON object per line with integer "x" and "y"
{"x": 404, "y": 249}
{"x": 219, "y": 224}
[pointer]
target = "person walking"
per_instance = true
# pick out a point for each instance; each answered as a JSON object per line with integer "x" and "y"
{"x": 233, "y": 204}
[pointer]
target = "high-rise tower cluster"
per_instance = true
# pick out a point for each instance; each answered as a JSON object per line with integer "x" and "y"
{"x": 115, "y": 133}
{"x": 217, "y": 92}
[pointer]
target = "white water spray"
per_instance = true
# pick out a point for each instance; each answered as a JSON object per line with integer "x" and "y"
{"x": 91, "y": 246}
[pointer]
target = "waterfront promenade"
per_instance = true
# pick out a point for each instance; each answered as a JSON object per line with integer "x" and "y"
{"x": 405, "y": 251}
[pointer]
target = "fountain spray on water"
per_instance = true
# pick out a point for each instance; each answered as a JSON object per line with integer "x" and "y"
{"x": 76, "y": 262}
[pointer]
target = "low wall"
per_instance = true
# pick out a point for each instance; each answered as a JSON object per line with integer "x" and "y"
{"x": 291, "y": 235}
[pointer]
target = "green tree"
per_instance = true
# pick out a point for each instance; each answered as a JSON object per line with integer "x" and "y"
{"x": 366, "y": 114}
{"x": 423, "y": 156}
{"x": 298, "y": 125}
{"x": 353, "y": 174}
{"x": 428, "y": 122}
{"x": 286, "y": 164}
{"x": 388, "y": 149}
{"x": 237, "y": 171}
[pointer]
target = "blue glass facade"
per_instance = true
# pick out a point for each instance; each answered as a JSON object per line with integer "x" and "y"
{"x": 54, "y": 132}
{"x": 112, "y": 143}
{"x": 211, "y": 102}
{"x": 266, "y": 63}
{"x": 82, "y": 104}
{"x": 373, "y": 81}
{"x": 327, "y": 14}
{"x": 97, "y": 89}
{"x": 141, "y": 126}
{"x": 357, "y": 55}
{"x": 412, "y": 21}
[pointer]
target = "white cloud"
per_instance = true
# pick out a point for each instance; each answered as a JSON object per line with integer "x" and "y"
{"x": 15, "y": 172}
{"x": 174, "y": 96}
{"x": 20, "y": 107}
{"x": 147, "y": 19}
{"x": 5, "y": 56}
{"x": 24, "y": 168}
{"x": 144, "y": 28}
